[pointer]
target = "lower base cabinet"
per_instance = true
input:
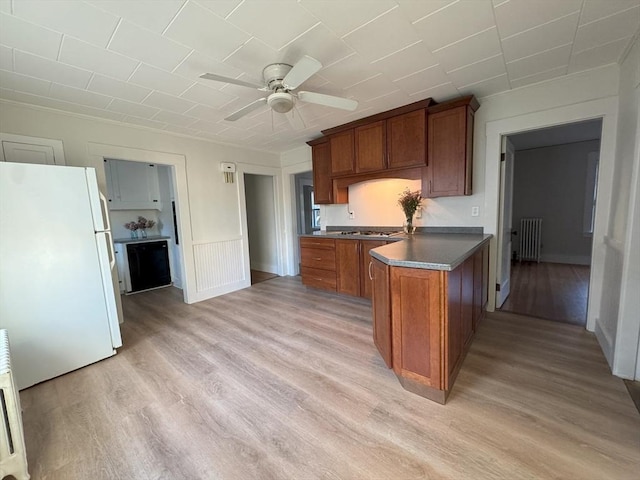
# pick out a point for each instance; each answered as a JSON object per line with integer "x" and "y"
{"x": 424, "y": 321}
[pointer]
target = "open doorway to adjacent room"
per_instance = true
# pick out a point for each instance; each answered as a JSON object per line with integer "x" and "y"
{"x": 261, "y": 226}
{"x": 547, "y": 218}
{"x": 307, "y": 212}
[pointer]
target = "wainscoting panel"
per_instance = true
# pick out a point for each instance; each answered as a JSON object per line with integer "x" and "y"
{"x": 220, "y": 268}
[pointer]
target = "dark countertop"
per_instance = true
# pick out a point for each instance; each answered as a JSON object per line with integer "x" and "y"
{"x": 431, "y": 251}
{"x": 150, "y": 238}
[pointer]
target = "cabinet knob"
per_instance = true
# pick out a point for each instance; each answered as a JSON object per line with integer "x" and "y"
{"x": 317, "y": 258}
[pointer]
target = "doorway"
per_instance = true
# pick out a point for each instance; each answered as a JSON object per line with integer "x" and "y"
{"x": 261, "y": 226}
{"x": 547, "y": 215}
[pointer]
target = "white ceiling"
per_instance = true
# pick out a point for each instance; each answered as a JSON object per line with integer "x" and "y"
{"x": 139, "y": 61}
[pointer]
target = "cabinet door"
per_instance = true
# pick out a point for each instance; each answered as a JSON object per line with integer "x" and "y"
{"x": 370, "y": 145}
{"x": 406, "y": 140}
{"x": 449, "y": 148}
{"x": 480, "y": 270}
{"x": 133, "y": 185}
{"x": 366, "y": 283}
{"x": 381, "y": 311}
{"x": 467, "y": 301}
{"x": 416, "y": 299}
{"x": 348, "y": 267}
{"x": 454, "y": 323}
{"x": 322, "y": 184}
{"x": 342, "y": 154}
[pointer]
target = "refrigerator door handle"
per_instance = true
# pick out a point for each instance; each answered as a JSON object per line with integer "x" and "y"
{"x": 112, "y": 255}
{"x": 105, "y": 214}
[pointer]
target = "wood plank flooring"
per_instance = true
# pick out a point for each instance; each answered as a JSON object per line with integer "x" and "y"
{"x": 553, "y": 291}
{"x": 282, "y": 382}
{"x": 257, "y": 276}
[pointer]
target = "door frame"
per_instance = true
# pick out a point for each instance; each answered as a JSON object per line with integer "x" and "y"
{"x": 506, "y": 191}
{"x": 605, "y": 108}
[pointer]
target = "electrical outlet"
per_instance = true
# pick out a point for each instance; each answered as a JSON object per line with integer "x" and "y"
{"x": 352, "y": 215}
{"x": 419, "y": 212}
{"x": 475, "y": 211}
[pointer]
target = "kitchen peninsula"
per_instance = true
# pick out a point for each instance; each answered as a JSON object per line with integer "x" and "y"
{"x": 429, "y": 294}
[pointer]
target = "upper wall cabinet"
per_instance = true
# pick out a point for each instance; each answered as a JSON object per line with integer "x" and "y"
{"x": 22, "y": 149}
{"x": 322, "y": 185}
{"x": 342, "y": 154}
{"x": 132, "y": 185}
{"x": 370, "y": 146}
{"x": 406, "y": 140}
{"x": 450, "y": 148}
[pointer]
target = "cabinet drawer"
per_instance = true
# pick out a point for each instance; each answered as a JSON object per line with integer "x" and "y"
{"x": 317, "y": 242}
{"x": 315, "y": 277}
{"x": 322, "y": 258}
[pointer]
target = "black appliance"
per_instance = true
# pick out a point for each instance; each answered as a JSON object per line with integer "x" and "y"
{"x": 148, "y": 265}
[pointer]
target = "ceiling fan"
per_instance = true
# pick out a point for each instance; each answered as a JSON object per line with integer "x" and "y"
{"x": 281, "y": 79}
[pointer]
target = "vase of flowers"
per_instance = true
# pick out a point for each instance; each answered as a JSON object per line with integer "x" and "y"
{"x": 143, "y": 224}
{"x": 410, "y": 202}
{"x": 133, "y": 229}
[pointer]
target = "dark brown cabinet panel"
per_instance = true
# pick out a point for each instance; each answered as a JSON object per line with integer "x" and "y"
{"x": 447, "y": 153}
{"x": 318, "y": 262}
{"x": 370, "y": 147}
{"x": 381, "y": 310}
{"x": 342, "y": 153}
{"x": 322, "y": 184}
{"x": 348, "y": 267}
{"x": 365, "y": 259}
{"x": 406, "y": 140}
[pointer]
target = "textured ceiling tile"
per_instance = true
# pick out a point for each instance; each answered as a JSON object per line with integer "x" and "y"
{"x": 51, "y": 70}
{"x": 149, "y": 47}
{"x": 539, "y": 77}
{"x": 455, "y": 22}
{"x": 349, "y": 71}
{"x": 478, "y": 72}
{"x": 405, "y": 62}
{"x": 541, "y": 38}
{"x": 252, "y": 57}
{"x": 222, "y": 8}
{"x": 606, "y": 30}
{"x": 150, "y": 14}
{"x": 129, "y": 108}
{"x": 17, "y": 33}
{"x": 211, "y": 128}
{"x": 143, "y": 122}
{"x": 84, "y": 55}
{"x": 76, "y": 95}
{"x": 6, "y": 58}
{"x": 416, "y": 9}
{"x": 595, "y": 57}
{"x": 208, "y": 96}
{"x": 541, "y": 62}
{"x": 157, "y": 79}
{"x": 116, "y": 88}
{"x": 517, "y": 16}
{"x": 319, "y": 43}
{"x": 344, "y": 17}
{"x": 174, "y": 119}
{"x": 597, "y": 9}
{"x": 168, "y": 102}
{"x": 23, "y": 83}
{"x": 5, "y": 6}
{"x": 372, "y": 88}
{"x": 439, "y": 93}
{"x": 205, "y": 113}
{"x": 276, "y": 22}
{"x": 199, "y": 28}
{"x": 372, "y": 45}
{"x": 486, "y": 87}
{"x": 478, "y": 47}
{"x": 423, "y": 80}
{"x": 74, "y": 18}
{"x": 181, "y": 130}
{"x": 196, "y": 64}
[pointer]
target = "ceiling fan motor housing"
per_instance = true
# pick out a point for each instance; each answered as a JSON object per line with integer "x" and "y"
{"x": 281, "y": 102}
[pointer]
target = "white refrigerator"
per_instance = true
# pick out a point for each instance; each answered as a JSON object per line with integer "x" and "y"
{"x": 57, "y": 299}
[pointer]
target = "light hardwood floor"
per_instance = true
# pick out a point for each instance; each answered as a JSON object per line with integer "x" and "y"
{"x": 282, "y": 382}
{"x": 553, "y": 291}
{"x": 257, "y": 276}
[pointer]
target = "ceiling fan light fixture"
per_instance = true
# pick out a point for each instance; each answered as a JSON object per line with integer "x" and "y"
{"x": 281, "y": 102}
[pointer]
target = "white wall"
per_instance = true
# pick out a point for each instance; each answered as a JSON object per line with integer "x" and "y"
{"x": 550, "y": 183}
{"x": 261, "y": 222}
{"x": 212, "y": 229}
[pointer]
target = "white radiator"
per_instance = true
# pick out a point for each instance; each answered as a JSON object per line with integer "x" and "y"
{"x": 530, "y": 239}
{"x": 13, "y": 456}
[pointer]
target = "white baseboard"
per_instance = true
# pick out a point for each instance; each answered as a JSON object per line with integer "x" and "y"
{"x": 605, "y": 342}
{"x": 216, "y": 292}
{"x": 570, "y": 259}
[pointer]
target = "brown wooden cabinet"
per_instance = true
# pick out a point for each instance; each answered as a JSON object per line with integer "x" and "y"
{"x": 318, "y": 262}
{"x": 348, "y": 267}
{"x": 450, "y": 149}
{"x": 342, "y": 153}
{"x": 433, "y": 320}
{"x": 365, "y": 259}
{"x": 370, "y": 147}
{"x": 406, "y": 140}
{"x": 381, "y": 310}
{"x": 322, "y": 183}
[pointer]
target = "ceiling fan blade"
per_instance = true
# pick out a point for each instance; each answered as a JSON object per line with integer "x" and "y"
{"x": 244, "y": 110}
{"x": 301, "y": 71}
{"x": 328, "y": 100}
{"x": 220, "y": 78}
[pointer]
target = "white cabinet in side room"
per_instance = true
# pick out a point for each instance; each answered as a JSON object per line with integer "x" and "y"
{"x": 121, "y": 265}
{"x": 132, "y": 185}
{"x": 23, "y": 149}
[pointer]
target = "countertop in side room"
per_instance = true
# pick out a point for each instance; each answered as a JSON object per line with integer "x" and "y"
{"x": 152, "y": 238}
{"x": 431, "y": 251}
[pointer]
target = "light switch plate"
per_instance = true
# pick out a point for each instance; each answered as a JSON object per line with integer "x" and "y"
{"x": 475, "y": 211}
